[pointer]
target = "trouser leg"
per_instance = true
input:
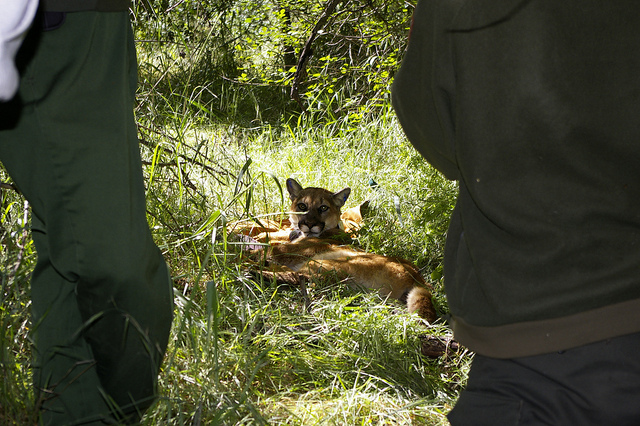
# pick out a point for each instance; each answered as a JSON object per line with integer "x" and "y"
{"x": 596, "y": 384}
{"x": 101, "y": 292}
{"x": 67, "y": 384}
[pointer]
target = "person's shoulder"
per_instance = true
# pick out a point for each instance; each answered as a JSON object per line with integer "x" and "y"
{"x": 439, "y": 11}
{"x": 85, "y": 5}
{"x": 474, "y": 14}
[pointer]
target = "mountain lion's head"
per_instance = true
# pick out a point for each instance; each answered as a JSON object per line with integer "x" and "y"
{"x": 314, "y": 212}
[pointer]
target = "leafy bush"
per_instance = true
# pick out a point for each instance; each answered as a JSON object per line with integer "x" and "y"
{"x": 237, "y": 59}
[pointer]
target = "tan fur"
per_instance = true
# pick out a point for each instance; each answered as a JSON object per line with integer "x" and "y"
{"x": 309, "y": 255}
{"x": 391, "y": 277}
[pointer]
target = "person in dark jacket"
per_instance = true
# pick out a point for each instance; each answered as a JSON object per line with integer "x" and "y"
{"x": 532, "y": 106}
{"x": 101, "y": 292}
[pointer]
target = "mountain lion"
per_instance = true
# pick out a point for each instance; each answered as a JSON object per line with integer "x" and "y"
{"x": 313, "y": 249}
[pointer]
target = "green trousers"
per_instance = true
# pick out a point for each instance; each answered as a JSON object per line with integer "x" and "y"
{"x": 101, "y": 292}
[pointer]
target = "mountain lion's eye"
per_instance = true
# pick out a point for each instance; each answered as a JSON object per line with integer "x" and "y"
{"x": 323, "y": 209}
{"x": 302, "y": 207}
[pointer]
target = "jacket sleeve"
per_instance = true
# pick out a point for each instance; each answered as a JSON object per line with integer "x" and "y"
{"x": 423, "y": 92}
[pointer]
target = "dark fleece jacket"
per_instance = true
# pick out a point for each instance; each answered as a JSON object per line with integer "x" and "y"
{"x": 534, "y": 107}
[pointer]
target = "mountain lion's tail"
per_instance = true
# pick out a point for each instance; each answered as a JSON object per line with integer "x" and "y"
{"x": 419, "y": 300}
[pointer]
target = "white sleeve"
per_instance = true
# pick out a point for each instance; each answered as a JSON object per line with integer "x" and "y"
{"x": 15, "y": 20}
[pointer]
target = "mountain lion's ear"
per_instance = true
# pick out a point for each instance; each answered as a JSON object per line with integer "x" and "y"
{"x": 340, "y": 197}
{"x": 294, "y": 188}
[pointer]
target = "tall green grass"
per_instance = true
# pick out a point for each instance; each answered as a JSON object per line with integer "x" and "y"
{"x": 17, "y": 258}
{"x": 248, "y": 351}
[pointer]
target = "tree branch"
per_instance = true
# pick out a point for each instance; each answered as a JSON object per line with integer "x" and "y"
{"x": 307, "y": 51}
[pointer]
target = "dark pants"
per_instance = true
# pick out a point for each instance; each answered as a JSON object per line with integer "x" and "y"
{"x": 101, "y": 292}
{"x": 597, "y": 384}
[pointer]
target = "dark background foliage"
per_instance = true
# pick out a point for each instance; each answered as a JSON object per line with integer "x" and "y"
{"x": 237, "y": 59}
